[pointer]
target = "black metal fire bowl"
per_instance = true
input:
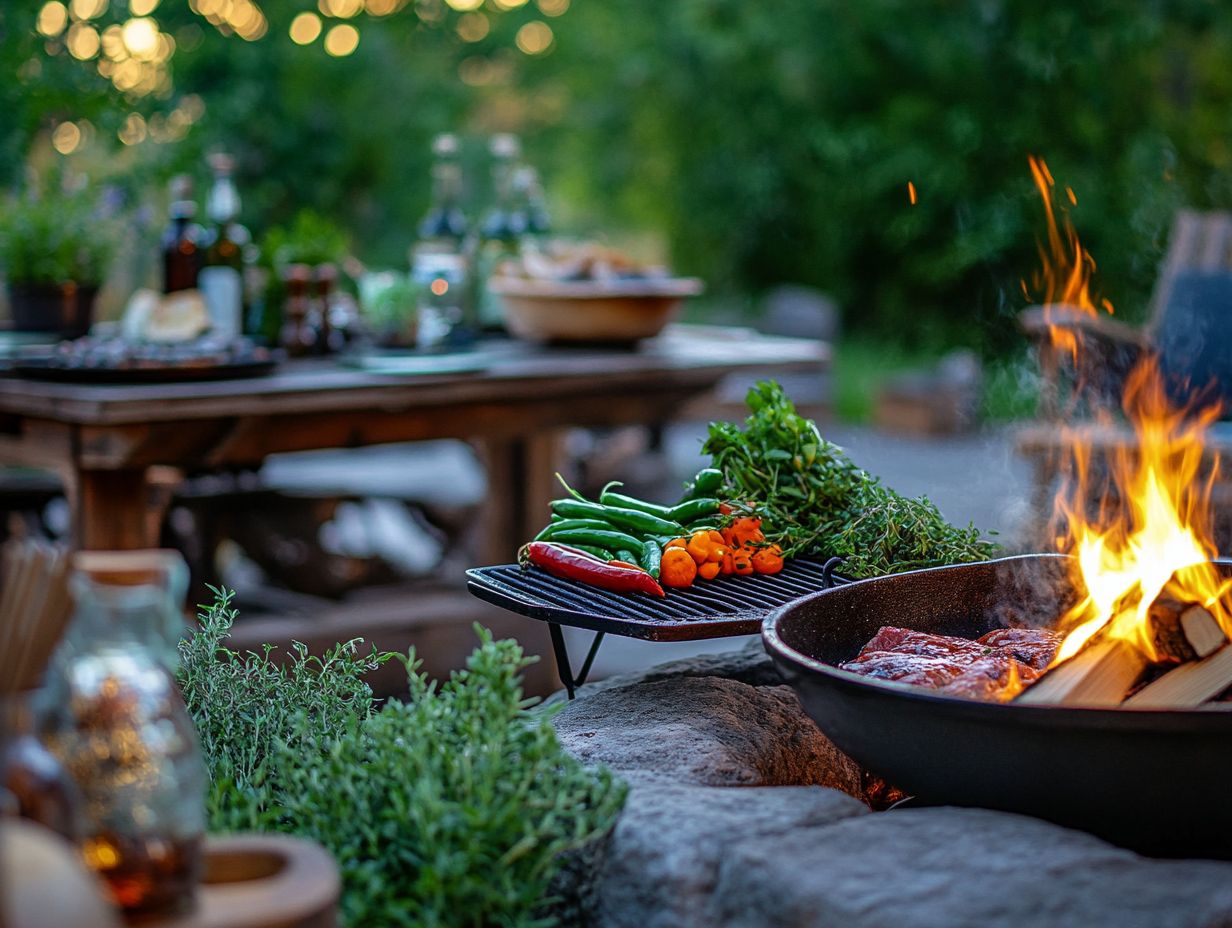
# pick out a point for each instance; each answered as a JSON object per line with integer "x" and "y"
{"x": 1159, "y": 782}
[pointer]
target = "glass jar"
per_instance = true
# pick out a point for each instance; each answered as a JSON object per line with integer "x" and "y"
{"x": 41, "y": 789}
{"x": 120, "y": 727}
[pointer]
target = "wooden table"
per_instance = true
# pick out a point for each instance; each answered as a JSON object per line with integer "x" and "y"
{"x": 103, "y": 440}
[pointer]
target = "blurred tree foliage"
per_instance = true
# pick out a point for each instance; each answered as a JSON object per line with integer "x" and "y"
{"x": 769, "y": 143}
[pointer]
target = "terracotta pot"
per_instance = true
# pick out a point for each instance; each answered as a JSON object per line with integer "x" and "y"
{"x": 67, "y": 309}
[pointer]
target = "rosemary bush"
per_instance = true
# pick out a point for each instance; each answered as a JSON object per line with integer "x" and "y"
{"x": 451, "y": 808}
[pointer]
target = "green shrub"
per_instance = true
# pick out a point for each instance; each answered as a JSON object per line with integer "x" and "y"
{"x": 451, "y": 808}
{"x": 54, "y": 238}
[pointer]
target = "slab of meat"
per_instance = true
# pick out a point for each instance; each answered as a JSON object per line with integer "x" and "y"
{"x": 906, "y": 641}
{"x": 996, "y": 678}
{"x": 994, "y": 667}
{"x": 921, "y": 670}
{"x": 1033, "y": 646}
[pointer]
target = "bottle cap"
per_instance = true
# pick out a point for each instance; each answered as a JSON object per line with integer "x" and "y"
{"x": 504, "y": 145}
{"x": 445, "y": 144}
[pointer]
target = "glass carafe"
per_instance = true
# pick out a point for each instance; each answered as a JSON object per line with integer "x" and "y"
{"x": 119, "y": 726}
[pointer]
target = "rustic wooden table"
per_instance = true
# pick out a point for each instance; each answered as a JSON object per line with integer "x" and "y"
{"x": 103, "y": 440}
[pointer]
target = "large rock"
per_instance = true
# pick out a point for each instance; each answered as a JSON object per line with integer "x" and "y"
{"x": 952, "y": 868}
{"x": 707, "y": 731}
{"x": 664, "y": 864}
{"x": 689, "y": 850}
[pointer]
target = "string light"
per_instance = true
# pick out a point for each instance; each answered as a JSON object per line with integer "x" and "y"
{"x": 87, "y": 9}
{"x": 52, "y": 18}
{"x": 66, "y": 137}
{"x": 340, "y": 41}
{"x": 473, "y": 27}
{"x": 534, "y": 38}
{"x": 305, "y": 28}
{"x": 82, "y": 41}
{"x": 553, "y": 7}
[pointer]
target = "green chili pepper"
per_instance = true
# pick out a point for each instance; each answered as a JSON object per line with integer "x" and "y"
{"x": 693, "y": 509}
{"x": 626, "y": 519}
{"x": 566, "y": 525}
{"x": 652, "y": 554}
{"x": 706, "y": 483}
{"x": 627, "y": 556}
{"x": 602, "y": 554}
{"x": 610, "y": 498}
{"x": 610, "y": 539}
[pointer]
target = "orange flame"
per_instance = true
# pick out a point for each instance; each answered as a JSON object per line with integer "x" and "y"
{"x": 1150, "y": 534}
{"x": 1066, "y": 268}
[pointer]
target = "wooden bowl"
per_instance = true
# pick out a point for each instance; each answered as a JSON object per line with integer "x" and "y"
{"x": 591, "y": 311}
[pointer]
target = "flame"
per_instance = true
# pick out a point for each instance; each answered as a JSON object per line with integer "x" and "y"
{"x": 1150, "y": 533}
{"x": 1066, "y": 268}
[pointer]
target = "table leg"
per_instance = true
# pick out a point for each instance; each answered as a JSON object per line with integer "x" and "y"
{"x": 111, "y": 510}
{"x": 521, "y": 483}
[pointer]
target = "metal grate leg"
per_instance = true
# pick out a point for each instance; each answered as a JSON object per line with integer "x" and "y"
{"x": 563, "y": 668}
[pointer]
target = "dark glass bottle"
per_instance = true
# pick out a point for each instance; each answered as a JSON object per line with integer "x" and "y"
{"x": 181, "y": 245}
{"x": 298, "y": 336}
{"x": 222, "y": 275}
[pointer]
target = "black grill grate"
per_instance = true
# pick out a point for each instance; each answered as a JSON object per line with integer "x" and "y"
{"x": 715, "y": 609}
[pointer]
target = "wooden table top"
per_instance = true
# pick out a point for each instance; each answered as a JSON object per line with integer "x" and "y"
{"x": 515, "y": 371}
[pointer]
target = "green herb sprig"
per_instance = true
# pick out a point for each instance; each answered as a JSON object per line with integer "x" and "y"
{"x": 815, "y": 501}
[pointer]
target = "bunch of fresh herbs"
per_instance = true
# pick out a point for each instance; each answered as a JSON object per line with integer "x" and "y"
{"x": 814, "y": 500}
{"x": 451, "y": 808}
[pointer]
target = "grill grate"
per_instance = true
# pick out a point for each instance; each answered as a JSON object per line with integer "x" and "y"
{"x": 716, "y": 609}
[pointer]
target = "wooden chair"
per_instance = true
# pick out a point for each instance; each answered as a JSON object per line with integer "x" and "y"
{"x": 1190, "y": 327}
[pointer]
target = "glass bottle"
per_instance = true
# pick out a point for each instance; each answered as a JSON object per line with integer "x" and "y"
{"x": 438, "y": 259}
{"x": 501, "y": 230}
{"x": 221, "y": 280}
{"x": 119, "y": 726}
{"x": 298, "y": 336}
{"x": 181, "y": 241}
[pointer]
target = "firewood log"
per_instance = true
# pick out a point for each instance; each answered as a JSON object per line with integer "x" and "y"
{"x": 1188, "y": 685}
{"x": 1098, "y": 675}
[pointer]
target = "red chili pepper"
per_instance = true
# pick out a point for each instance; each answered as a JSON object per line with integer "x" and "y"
{"x": 569, "y": 564}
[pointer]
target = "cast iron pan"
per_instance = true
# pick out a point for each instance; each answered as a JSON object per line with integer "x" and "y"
{"x": 1159, "y": 782}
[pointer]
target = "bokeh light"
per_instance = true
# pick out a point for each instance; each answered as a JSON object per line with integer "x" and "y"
{"x": 82, "y": 41}
{"x": 66, "y": 137}
{"x": 141, "y": 38}
{"x": 341, "y": 40}
{"x": 133, "y": 132}
{"x": 508, "y": 4}
{"x": 383, "y": 7}
{"x": 87, "y": 9}
{"x": 305, "y": 28}
{"x": 553, "y": 7}
{"x": 341, "y": 9}
{"x": 534, "y": 38}
{"x": 464, "y": 6}
{"x": 142, "y": 7}
{"x": 52, "y": 18}
{"x": 473, "y": 27}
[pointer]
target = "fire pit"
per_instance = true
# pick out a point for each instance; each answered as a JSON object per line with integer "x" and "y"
{"x": 1153, "y": 780}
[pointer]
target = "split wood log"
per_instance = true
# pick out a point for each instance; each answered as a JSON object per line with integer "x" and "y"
{"x": 1188, "y": 685}
{"x": 1202, "y": 631}
{"x": 1098, "y": 675}
{"x": 1167, "y": 635}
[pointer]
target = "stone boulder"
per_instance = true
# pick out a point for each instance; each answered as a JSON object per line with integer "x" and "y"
{"x": 794, "y": 847}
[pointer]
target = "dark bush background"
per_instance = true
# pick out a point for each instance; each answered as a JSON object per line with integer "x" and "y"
{"x": 763, "y": 142}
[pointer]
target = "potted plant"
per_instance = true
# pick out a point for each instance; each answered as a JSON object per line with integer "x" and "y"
{"x": 54, "y": 248}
